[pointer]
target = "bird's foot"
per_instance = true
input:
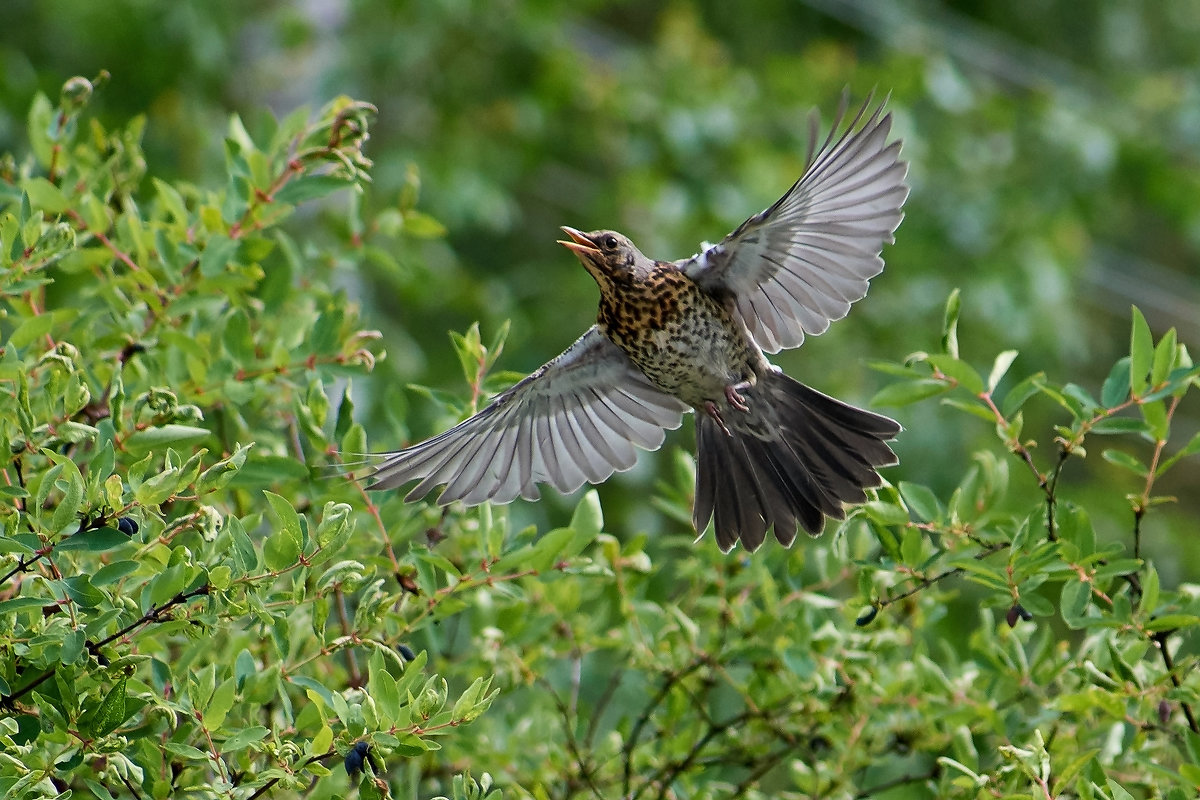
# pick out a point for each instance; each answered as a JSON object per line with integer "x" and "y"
{"x": 711, "y": 409}
{"x": 734, "y": 396}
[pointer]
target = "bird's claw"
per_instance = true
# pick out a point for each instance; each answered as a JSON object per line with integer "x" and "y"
{"x": 735, "y": 398}
{"x": 711, "y": 409}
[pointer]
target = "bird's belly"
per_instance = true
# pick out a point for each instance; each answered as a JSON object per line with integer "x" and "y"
{"x": 694, "y": 362}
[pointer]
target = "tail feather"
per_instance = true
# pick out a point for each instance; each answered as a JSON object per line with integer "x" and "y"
{"x": 794, "y": 459}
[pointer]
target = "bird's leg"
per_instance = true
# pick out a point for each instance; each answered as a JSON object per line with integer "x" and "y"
{"x": 734, "y": 396}
{"x": 710, "y": 408}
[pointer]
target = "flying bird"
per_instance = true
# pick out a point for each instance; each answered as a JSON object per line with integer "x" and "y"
{"x": 691, "y": 335}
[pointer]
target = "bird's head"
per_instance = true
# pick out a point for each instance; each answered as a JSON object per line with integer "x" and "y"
{"x": 607, "y": 255}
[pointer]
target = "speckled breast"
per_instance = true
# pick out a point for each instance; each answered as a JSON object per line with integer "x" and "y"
{"x": 682, "y": 338}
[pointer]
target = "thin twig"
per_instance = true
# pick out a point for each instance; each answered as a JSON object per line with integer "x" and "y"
{"x": 636, "y": 731}
{"x": 585, "y": 769}
{"x": 601, "y": 704}
{"x": 927, "y": 582}
{"x": 1160, "y": 639}
{"x": 266, "y": 787}
{"x": 1051, "y": 490}
{"x": 150, "y": 616}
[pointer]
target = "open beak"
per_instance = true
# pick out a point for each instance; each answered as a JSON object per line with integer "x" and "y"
{"x": 580, "y": 245}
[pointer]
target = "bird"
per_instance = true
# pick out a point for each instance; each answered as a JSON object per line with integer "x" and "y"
{"x": 693, "y": 335}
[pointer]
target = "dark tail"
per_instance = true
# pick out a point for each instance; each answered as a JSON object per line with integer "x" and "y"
{"x": 789, "y": 462}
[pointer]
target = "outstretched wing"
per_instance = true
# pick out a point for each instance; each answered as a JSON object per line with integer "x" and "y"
{"x": 799, "y": 265}
{"x": 575, "y": 419}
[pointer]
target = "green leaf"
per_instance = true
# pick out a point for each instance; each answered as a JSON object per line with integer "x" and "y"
{"x": 422, "y": 225}
{"x": 1141, "y": 353}
{"x": 1119, "y": 566}
{"x": 70, "y": 481}
{"x": 30, "y": 330}
{"x": 413, "y": 671}
{"x": 237, "y": 337}
{"x": 950, "y": 324}
{"x": 1019, "y": 394}
{"x": 963, "y": 373}
{"x": 93, "y": 540}
{"x": 469, "y": 348}
{"x": 289, "y": 521}
{"x": 382, "y": 688}
{"x": 164, "y": 436}
{"x": 912, "y": 545}
{"x": 1155, "y": 414}
{"x": 245, "y": 555}
{"x": 1164, "y": 358}
{"x": 111, "y": 711}
{"x": 221, "y": 473}
{"x": 79, "y": 588}
{"x": 981, "y": 572}
{"x": 158, "y": 488}
{"x": 185, "y": 751}
{"x": 244, "y": 738}
{"x": 336, "y": 525}
{"x": 1189, "y": 449}
{"x": 1150, "y": 589}
{"x": 321, "y": 742}
{"x": 219, "y": 704}
{"x": 1075, "y": 599}
{"x": 164, "y": 586}
{"x": 261, "y": 470}
{"x": 18, "y": 604}
{"x": 548, "y": 550}
{"x": 1118, "y": 792}
{"x": 902, "y": 394}
{"x": 1122, "y": 459}
{"x": 1175, "y": 385}
{"x": 171, "y": 200}
{"x": 325, "y": 338}
{"x": 1036, "y": 604}
{"x": 1115, "y": 425}
{"x": 13, "y": 493}
{"x": 886, "y": 513}
{"x": 588, "y": 519}
{"x": 1170, "y": 622}
{"x": 892, "y": 368}
{"x": 111, "y": 573}
{"x": 217, "y": 254}
{"x": 45, "y": 195}
{"x": 973, "y": 407}
{"x": 310, "y": 187}
{"x": 1087, "y": 403}
{"x": 921, "y": 501}
{"x": 1000, "y": 368}
{"x": 280, "y": 551}
{"x": 1020, "y": 541}
{"x": 1075, "y": 528}
{"x": 437, "y": 561}
{"x": 474, "y": 701}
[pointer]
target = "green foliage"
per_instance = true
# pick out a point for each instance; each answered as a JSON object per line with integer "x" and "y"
{"x": 193, "y": 603}
{"x": 165, "y": 618}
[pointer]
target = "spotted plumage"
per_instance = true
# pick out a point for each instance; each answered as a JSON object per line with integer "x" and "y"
{"x": 684, "y": 339}
{"x": 772, "y": 453}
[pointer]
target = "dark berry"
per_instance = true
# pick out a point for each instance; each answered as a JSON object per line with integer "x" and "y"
{"x": 356, "y": 758}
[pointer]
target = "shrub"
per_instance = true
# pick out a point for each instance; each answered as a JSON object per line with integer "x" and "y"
{"x": 193, "y": 603}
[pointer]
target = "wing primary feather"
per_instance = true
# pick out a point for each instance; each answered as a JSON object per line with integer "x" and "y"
{"x": 476, "y": 464}
{"x": 569, "y": 477}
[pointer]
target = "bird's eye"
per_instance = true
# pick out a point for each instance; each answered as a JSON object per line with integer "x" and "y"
{"x": 610, "y": 242}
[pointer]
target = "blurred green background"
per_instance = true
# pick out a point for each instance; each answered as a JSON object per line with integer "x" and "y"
{"x": 1053, "y": 150}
